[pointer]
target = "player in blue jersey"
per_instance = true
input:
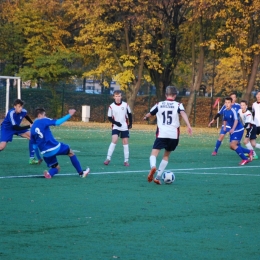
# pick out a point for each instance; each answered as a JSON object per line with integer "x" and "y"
{"x": 230, "y": 118}
{"x": 223, "y": 132}
{"x": 11, "y": 126}
{"x": 49, "y": 147}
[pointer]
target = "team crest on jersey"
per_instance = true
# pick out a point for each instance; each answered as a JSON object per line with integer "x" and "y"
{"x": 122, "y": 108}
{"x": 21, "y": 117}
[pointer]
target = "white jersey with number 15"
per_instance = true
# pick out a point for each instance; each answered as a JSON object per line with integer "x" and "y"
{"x": 168, "y": 123}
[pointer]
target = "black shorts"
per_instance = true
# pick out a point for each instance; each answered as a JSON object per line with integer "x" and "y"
{"x": 165, "y": 143}
{"x": 258, "y": 130}
{"x": 251, "y": 132}
{"x": 122, "y": 134}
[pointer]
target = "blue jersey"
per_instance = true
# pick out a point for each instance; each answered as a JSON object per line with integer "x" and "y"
{"x": 13, "y": 119}
{"x": 41, "y": 136}
{"x": 235, "y": 106}
{"x": 230, "y": 116}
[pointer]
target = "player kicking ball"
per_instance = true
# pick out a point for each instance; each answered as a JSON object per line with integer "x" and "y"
{"x": 230, "y": 118}
{"x": 50, "y": 148}
{"x": 119, "y": 114}
{"x": 11, "y": 126}
{"x": 168, "y": 130}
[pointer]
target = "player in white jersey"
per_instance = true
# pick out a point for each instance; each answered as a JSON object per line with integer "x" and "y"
{"x": 248, "y": 122}
{"x": 256, "y": 112}
{"x": 119, "y": 114}
{"x": 167, "y": 134}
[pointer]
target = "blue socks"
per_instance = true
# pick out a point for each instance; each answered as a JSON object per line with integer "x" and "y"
{"x": 75, "y": 163}
{"x": 240, "y": 152}
{"x": 218, "y": 144}
{"x": 53, "y": 171}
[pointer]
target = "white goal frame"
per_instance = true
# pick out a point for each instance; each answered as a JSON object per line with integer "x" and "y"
{"x": 8, "y": 90}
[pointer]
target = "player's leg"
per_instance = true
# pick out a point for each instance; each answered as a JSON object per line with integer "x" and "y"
{"x": 152, "y": 159}
{"x": 125, "y": 137}
{"x": 27, "y": 134}
{"x": 75, "y": 162}
{"x": 171, "y": 145}
{"x": 219, "y": 141}
{"x": 2, "y": 146}
{"x": 235, "y": 145}
{"x": 112, "y": 146}
{"x": 53, "y": 165}
{"x": 6, "y": 136}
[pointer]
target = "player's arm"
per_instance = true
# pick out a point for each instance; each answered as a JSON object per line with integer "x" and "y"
{"x": 111, "y": 119}
{"x": 28, "y": 119}
{"x": 18, "y": 128}
{"x": 130, "y": 118}
{"x": 217, "y": 115}
{"x": 65, "y": 118}
{"x": 186, "y": 120}
{"x": 152, "y": 112}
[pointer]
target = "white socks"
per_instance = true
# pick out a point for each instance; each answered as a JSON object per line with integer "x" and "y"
{"x": 257, "y": 146}
{"x": 250, "y": 147}
{"x": 126, "y": 152}
{"x": 152, "y": 161}
{"x": 110, "y": 151}
{"x": 162, "y": 166}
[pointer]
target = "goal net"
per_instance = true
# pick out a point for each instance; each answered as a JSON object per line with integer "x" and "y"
{"x": 10, "y": 89}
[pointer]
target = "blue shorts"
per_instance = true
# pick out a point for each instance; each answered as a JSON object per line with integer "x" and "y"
{"x": 52, "y": 160}
{"x": 7, "y": 134}
{"x": 236, "y": 136}
{"x": 165, "y": 143}
{"x": 122, "y": 134}
{"x": 222, "y": 132}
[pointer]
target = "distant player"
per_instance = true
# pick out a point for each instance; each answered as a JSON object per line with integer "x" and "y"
{"x": 249, "y": 125}
{"x": 256, "y": 112}
{"x": 168, "y": 131}
{"x": 222, "y": 133}
{"x": 50, "y": 148}
{"x": 119, "y": 114}
{"x": 11, "y": 126}
{"x": 230, "y": 118}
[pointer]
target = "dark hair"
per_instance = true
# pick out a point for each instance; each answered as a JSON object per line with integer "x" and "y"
{"x": 39, "y": 110}
{"x": 229, "y": 98}
{"x": 243, "y": 101}
{"x": 170, "y": 90}
{"x": 18, "y": 102}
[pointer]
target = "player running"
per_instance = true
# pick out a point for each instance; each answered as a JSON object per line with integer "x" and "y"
{"x": 50, "y": 148}
{"x": 167, "y": 134}
{"x": 230, "y": 118}
{"x": 119, "y": 114}
{"x": 256, "y": 113}
{"x": 11, "y": 126}
{"x": 248, "y": 122}
{"x": 222, "y": 133}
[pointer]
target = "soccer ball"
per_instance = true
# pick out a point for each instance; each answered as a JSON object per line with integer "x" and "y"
{"x": 168, "y": 177}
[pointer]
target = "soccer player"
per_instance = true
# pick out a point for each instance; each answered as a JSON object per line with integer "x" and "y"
{"x": 11, "y": 126}
{"x": 167, "y": 134}
{"x": 249, "y": 125}
{"x": 119, "y": 114}
{"x": 50, "y": 148}
{"x": 256, "y": 112}
{"x": 222, "y": 133}
{"x": 230, "y": 118}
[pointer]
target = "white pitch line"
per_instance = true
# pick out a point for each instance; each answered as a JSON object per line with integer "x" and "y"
{"x": 181, "y": 171}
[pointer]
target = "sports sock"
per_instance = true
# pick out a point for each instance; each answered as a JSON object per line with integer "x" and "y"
{"x": 218, "y": 144}
{"x": 53, "y": 171}
{"x": 244, "y": 150}
{"x": 75, "y": 162}
{"x": 110, "y": 151}
{"x": 161, "y": 168}
{"x": 37, "y": 152}
{"x": 250, "y": 147}
{"x": 31, "y": 150}
{"x": 126, "y": 152}
{"x": 152, "y": 161}
{"x": 257, "y": 146}
{"x": 240, "y": 152}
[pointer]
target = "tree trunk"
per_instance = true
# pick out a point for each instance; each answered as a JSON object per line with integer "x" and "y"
{"x": 196, "y": 84}
{"x": 251, "y": 81}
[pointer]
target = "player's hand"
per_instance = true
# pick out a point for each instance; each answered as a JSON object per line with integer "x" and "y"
{"x": 129, "y": 126}
{"x": 118, "y": 124}
{"x": 189, "y": 130}
{"x": 72, "y": 112}
{"x": 209, "y": 125}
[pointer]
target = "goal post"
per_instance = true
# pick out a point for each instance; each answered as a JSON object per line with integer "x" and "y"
{"x": 5, "y": 93}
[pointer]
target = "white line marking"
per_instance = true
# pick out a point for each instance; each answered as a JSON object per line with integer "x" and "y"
{"x": 181, "y": 171}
